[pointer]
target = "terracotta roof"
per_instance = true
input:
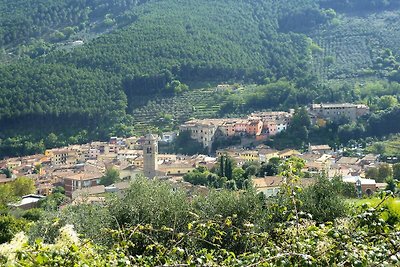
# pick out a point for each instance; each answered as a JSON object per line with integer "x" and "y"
{"x": 320, "y": 147}
{"x": 83, "y": 176}
{"x": 269, "y": 181}
{"x": 348, "y": 160}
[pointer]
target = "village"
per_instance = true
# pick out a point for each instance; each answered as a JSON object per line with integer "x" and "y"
{"x": 80, "y": 168}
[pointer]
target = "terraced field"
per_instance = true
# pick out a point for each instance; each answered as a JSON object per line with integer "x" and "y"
{"x": 351, "y": 45}
{"x": 200, "y": 103}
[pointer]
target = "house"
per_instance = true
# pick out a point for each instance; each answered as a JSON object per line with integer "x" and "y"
{"x": 270, "y": 185}
{"x": 231, "y": 152}
{"x": 132, "y": 143}
{"x": 368, "y": 160}
{"x": 368, "y": 186}
{"x": 168, "y": 137}
{"x": 240, "y": 127}
{"x": 320, "y": 149}
{"x": 281, "y": 125}
{"x": 128, "y": 154}
{"x": 129, "y": 172}
{"x": 249, "y": 155}
{"x": 88, "y": 191}
{"x": 223, "y": 87}
{"x": 288, "y": 153}
{"x": 270, "y": 127}
{"x": 228, "y": 128}
{"x": 264, "y": 155}
{"x": 167, "y": 157}
{"x": 348, "y": 161}
{"x": 176, "y": 168}
{"x": 254, "y": 127}
{"x": 27, "y": 202}
{"x": 62, "y": 156}
{"x": 81, "y": 180}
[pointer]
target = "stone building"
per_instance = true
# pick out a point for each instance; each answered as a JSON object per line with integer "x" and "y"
{"x": 335, "y": 112}
{"x": 150, "y": 156}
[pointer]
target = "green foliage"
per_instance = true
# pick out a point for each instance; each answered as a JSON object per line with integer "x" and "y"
{"x": 111, "y": 176}
{"x": 360, "y": 5}
{"x": 297, "y": 134}
{"x": 271, "y": 168}
{"x": 53, "y": 201}
{"x": 17, "y": 188}
{"x": 396, "y": 171}
{"x": 223, "y": 229}
{"x": 201, "y": 176}
{"x": 185, "y": 145}
{"x": 22, "y": 20}
{"x": 146, "y": 202}
{"x": 10, "y": 226}
{"x": 224, "y": 175}
{"x": 33, "y": 214}
{"x": 323, "y": 201}
{"x": 380, "y": 173}
{"x": 6, "y": 172}
{"x": 23, "y": 186}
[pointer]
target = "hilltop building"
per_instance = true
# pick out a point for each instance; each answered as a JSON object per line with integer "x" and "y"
{"x": 335, "y": 112}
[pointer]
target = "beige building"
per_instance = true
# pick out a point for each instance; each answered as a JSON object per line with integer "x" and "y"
{"x": 335, "y": 112}
{"x": 203, "y": 131}
{"x": 62, "y": 156}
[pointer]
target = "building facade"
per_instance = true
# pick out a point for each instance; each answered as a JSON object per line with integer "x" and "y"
{"x": 334, "y": 112}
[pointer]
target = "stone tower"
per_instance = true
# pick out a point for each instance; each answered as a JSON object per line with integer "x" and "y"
{"x": 150, "y": 154}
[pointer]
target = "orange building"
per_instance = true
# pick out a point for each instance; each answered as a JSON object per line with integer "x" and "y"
{"x": 254, "y": 127}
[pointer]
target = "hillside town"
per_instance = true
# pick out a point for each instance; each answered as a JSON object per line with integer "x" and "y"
{"x": 79, "y": 168}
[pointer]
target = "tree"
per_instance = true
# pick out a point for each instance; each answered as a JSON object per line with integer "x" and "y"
{"x": 300, "y": 119}
{"x": 271, "y": 168}
{"x": 184, "y": 144}
{"x": 58, "y": 189}
{"x": 111, "y": 176}
{"x": 396, "y": 171}
{"x": 387, "y": 102}
{"x": 7, "y": 172}
{"x": 228, "y": 168}
{"x": 372, "y": 173}
{"x": 239, "y": 176}
{"x": 347, "y": 190}
{"x": 6, "y": 194}
{"x": 23, "y": 186}
{"x": 380, "y": 173}
{"x": 323, "y": 201}
{"x": 385, "y": 171}
{"x": 9, "y": 226}
{"x": 391, "y": 184}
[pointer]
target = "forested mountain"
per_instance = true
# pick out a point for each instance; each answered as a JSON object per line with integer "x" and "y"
{"x": 134, "y": 48}
{"x": 22, "y": 19}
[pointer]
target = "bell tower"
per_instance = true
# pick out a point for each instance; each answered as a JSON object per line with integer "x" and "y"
{"x": 150, "y": 154}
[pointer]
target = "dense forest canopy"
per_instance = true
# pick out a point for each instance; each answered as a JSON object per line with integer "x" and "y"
{"x": 131, "y": 48}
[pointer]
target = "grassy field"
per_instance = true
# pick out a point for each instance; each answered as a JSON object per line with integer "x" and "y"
{"x": 393, "y": 204}
{"x": 390, "y": 147}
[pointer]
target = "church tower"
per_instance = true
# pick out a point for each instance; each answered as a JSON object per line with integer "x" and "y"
{"x": 150, "y": 154}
